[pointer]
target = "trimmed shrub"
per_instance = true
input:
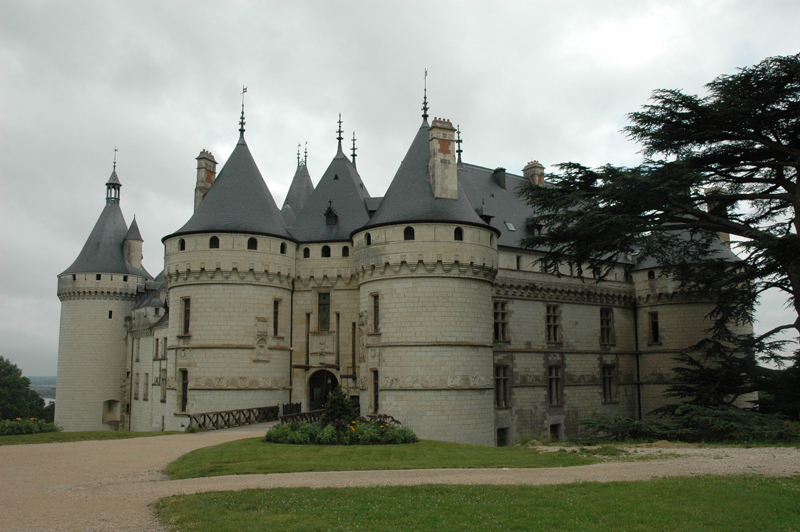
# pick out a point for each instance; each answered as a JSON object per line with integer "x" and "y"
{"x": 13, "y": 427}
{"x": 358, "y": 432}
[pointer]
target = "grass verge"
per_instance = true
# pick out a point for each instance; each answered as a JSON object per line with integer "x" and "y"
{"x": 63, "y": 437}
{"x": 249, "y": 456}
{"x": 674, "y": 504}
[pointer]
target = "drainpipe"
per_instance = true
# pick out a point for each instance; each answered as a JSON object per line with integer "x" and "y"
{"x": 291, "y": 340}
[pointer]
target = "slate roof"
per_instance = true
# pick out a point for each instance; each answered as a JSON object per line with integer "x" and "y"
{"x": 133, "y": 233}
{"x": 299, "y": 192}
{"x": 288, "y": 216}
{"x": 410, "y": 198}
{"x": 718, "y": 250}
{"x": 341, "y": 188}
{"x": 103, "y": 252}
{"x": 238, "y": 202}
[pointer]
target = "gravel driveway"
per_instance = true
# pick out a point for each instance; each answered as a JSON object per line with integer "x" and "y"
{"x": 108, "y": 485}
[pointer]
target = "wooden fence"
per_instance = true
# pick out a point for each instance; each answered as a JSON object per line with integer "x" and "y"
{"x": 311, "y": 416}
{"x": 234, "y": 418}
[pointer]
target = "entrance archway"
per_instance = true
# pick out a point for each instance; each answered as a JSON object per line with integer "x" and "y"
{"x": 320, "y": 384}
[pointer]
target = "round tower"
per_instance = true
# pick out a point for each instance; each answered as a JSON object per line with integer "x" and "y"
{"x": 229, "y": 273}
{"x": 425, "y": 263}
{"x": 97, "y": 294}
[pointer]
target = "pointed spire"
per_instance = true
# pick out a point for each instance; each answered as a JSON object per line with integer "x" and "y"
{"x": 354, "y": 148}
{"x": 113, "y": 185}
{"x": 425, "y": 99}
{"x": 339, "y": 133}
{"x": 241, "y": 120}
{"x": 459, "y": 141}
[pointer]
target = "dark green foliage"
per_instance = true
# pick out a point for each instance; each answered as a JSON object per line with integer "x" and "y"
{"x": 17, "y": 426}
{"x": 17, "y": 400}
{"x": 380, "y": 430}
{"x": 694, "y": 423}
{"x": 339, "y": 407}
{"x": 726, "y": 162}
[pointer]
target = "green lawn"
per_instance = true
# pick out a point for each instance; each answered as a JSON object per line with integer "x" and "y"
{"x": 249, "y": 456}
{"x": 726, "y": 504}
{"x": 61, "y": 437}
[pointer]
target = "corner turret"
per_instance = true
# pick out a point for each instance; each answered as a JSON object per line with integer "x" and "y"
{"x": 206, "y": 173}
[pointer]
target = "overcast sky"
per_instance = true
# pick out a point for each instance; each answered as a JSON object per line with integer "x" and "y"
{"x": 551, "y": 81}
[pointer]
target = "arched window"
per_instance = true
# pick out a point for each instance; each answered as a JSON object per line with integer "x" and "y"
{"x": 408, "y": 233}
{"x": 283, "y": 248}
{"x": 458, "y": 234}
{"x": 368, "y": 239}
{"x": 345, "y": 251}
{"x": 252, "y": 243}
{"x": 491, "y": 240}
{"x": 306, "y": 253}
{"x": 326, "y": 251}
{"x": 651, "y": 274}
{"x": 182, "y": 244}
{"x": 213, "y": 243}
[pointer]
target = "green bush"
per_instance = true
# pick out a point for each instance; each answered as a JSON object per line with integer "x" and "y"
{"x": 339, "y": 407}
{"x": 358, "y": 432}
{"x": 13, "y": 427}
{"x": 694, "y": 423}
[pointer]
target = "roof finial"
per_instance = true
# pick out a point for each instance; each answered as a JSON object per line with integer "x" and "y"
{"x": 298, "y": 154}
{"x": 354, "y": 148}
{"x": 305, "y": 156}
{"x": 241, "y": 120}
{"x": 115, "y": 158}
{"x": 459, "y": 141}
{"x": 339, "y": 132}
{"x": 425, "y": 98}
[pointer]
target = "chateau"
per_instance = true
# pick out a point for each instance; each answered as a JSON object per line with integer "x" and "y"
{"x": 421, "y": 304}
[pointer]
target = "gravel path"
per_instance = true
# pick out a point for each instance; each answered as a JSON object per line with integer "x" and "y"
{"x": 108, "y": 485}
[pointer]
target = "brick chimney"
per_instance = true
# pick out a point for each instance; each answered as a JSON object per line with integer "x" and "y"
{"x": 535, "y": 172}
{"x": 206, "y": 173}
{"x": 442, "y": 167}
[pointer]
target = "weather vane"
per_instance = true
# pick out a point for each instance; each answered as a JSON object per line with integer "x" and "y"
{"x": 425, "y": 98}
{"x": 115, "y": 157}
{"x": 241, "y": 120}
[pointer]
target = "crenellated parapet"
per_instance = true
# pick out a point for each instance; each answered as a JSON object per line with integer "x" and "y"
{"x": 564, "y": 292}
{"x": 422, "y": 268}
{"x": 86, "y": 287}
{"x": 200, "y": 274}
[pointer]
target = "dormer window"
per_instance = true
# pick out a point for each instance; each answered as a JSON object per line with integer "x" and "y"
{"x": 213, "y": 242}
{"x": 510, "y": 226}
{"x": 252, "y": 243}
{"x": 330, "y": 215}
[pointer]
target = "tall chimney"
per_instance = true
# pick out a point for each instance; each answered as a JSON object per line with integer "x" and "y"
{"x": 535, "y": 172}
{"x": 442, "y": 163}
{"x": 717, "y": 207}
{"x": 206, "y": 173}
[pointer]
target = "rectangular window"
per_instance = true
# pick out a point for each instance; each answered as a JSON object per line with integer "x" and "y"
{"x": 553, "y": 324}
{"x": 655, "y": 333}
{"x": 376, "y": 313}
{"x": 276, "y": 313}
{"x": 164, "y": 348}
{"x": 502, "y": 389}
{"x": 607, "y": 336}
{"x": 187, "y": 308}
{"x": 375, "y": 392}
{"x": 554, "y": 390}
{"x": 519, "y": 260}
{"x": 502, "y": 437}
{"x": 110, "y": 314}
{"x": 608, "y": 383}
{"x": 500, "y": 322}
{"x": 97, "y": 277}
{"x": 156, "y": 351}
{"x": 136, "y": 386}
{"x": 324, "y": 308}
{"x": 136, "y": 348}
{"x": 164, "y": 385}
{"x": 146, "y": 389}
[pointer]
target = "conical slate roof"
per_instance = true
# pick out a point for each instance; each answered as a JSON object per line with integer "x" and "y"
{"x": 410, "y": 198}
{"x": 103, "y": 252}
{"x": 341, "y": 189}
{"x": 133, "y": 232}
{"x": 288, "y": 215}
{"x": 299, "y": 191}
{"x": 238, "y": 202}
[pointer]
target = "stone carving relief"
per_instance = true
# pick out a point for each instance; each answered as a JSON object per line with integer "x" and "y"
{"x": 240, "y": 383}
{"x": 262, "y": 353}
{"x": 322, "y": 342}
{"x": 441, "y": 382}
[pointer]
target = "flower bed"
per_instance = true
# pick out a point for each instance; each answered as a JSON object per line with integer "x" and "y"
{"x": 13, "y": 427}
{"x": 381, "y": 430}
